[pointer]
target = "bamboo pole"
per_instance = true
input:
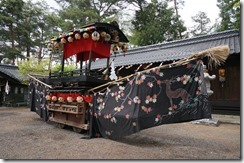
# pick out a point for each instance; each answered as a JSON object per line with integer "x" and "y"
{"x": 217, "y": 55}
{"x": 39, "y": 81}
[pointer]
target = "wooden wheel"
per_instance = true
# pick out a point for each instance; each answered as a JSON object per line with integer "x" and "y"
{"x": 60, "y": 125}
{"x": 78, "y": 130}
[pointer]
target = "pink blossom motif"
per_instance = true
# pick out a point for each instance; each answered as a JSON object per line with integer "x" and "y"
{"x": 109, "y": 116}
{"x": 157, "y": 118}
{"x": 150, "y": 84}
{"x": 200, "y": 77}
{"x": 129, "y": 102}
{"x": 174, "y": 106}
{"x": 154, "y": 98}
{"x": 149, "y": 109}
{"x": 118, "y": 109}
{"x": 135, "y": 100}
{"x": 113, "y": 120}
{"x": 143, "y": 77}
{"x": 138, "y": 82}
{"x": 147, "y": 101}
{"x": 131, "y": 82}
{"x": 188, "y": 77}
{"x": 159, "y": 82}
{"x": 122, "y": 94}
{"x": 184, "y": 82}
{"x": 170, "y": 112}
{"x": 178, "y": 79}
{"x": 121, "y": 88}
{"x": 161, "y": 74}
{"x": 127, "y": 116}
{"x": 148, "y": 97}
{"x": 98, "y": 99}
{"x": 145, "y": 109}
{"x": 188, "y": 65}
{"x": 157, "y": 72}
{"x": 138, "y": 101}
{"x": 112, "y": 94}
{"x": 122, "y": 106}
{"x": 200, "y": 81}
{"x": 99, "y": 114}
{"x": 101, "y": 106}
{"x": 141, "y": 80}
{"x": 198, "y": 92}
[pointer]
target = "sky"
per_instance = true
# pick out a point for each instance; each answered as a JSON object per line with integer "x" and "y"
{"x": 191, "y": 8}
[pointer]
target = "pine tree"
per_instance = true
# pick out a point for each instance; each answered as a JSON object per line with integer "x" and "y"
{"x": 202, "y": 24}
{"x": 230, "y": 14}
{"x": 10, "y": 18}
{"x": 156, "y": 23}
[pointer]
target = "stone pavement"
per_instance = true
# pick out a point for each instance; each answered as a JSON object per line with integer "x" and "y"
{"x": 234, "y": 119}
{"x": 217, "y": 119}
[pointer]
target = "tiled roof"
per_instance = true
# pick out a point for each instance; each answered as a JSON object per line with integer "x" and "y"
{"x": 11, "y": 71}
{"x": 174, "y": 50}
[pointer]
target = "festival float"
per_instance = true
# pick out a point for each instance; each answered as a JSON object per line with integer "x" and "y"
{"x": 111, "y": 107}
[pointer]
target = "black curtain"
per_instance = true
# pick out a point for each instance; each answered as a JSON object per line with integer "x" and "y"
{"x": 152, "y": 98}
{"x": 37, "y": 97}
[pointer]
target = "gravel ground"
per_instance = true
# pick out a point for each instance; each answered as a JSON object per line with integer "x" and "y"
{"x": 24, "y": 135}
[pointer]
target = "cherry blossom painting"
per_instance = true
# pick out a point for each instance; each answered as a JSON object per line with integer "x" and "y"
{"x": 154, "y": 97}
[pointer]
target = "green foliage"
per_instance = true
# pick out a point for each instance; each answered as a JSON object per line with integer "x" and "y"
{"x": 11, "y": 16}
{"x": 201, "y": 26}
{"x": 67, "y": 68}
{"x": 32, "y": 66}
{"x": 76, "y": 13}
{"x": 230, "y": 14}
{"x": 156, "y": 23}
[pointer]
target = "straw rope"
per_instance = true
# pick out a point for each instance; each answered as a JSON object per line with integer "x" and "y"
{"x": 216, "y": 56}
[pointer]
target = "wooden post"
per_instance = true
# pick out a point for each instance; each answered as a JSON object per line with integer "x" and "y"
{"x": 106, "y": 75}
{"x": 49, "y": 66}
{"x": 89, "y": 65}
{"x": 62, "y": 64}
{"x": 81, "y": 63}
